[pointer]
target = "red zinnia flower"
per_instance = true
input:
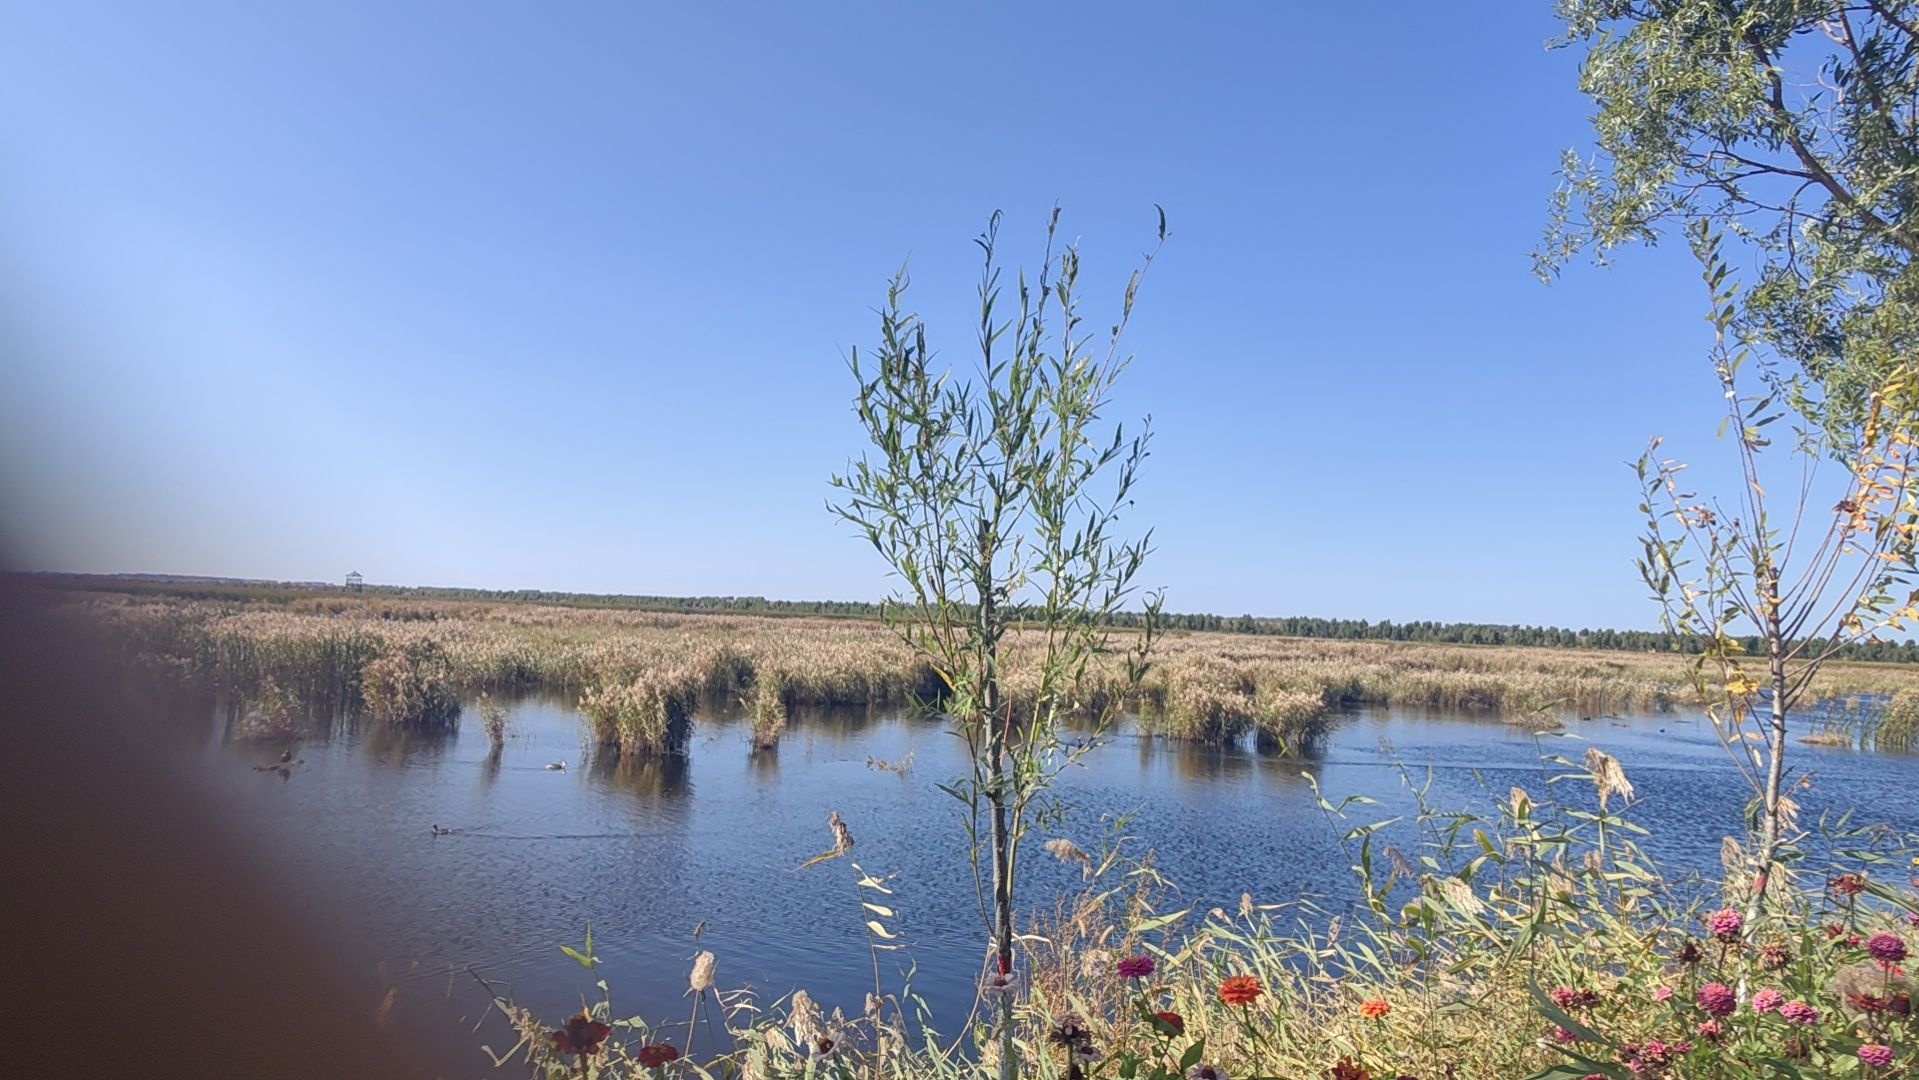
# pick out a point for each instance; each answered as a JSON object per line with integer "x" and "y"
{"x": 1239, "y": 989}
{"x": 581, "y": 1035}
{"x": 657, "y": 1054}
{"x": 1170, "y": 1022}
{"x": 1374, "y": 1008}
{"x": 1135, "y": 967}
{"x": 1847, "y": 884}
{"x": 1718, "y": 999}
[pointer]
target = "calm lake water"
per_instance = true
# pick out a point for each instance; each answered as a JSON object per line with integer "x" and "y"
{"x": 714, "y": 840}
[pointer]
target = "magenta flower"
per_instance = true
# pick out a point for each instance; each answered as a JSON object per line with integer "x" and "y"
{"x": 1877, "y": 1055}
{"x": 1767, "y": 1000}
{"x": 1562, "y": 1035}
{"x": 1568, "y": 998}
{"x": 1725, "y": 924}
{"x": 1886, "y": 948}
{"x": 1135, "y": 967}
{"x": 1798, "y": 1012}
{"x": 1663, "y": 993}
{"x": 1718, "y": 999}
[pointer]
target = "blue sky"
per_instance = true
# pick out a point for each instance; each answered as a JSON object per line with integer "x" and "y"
{"x": 559, "y": 295}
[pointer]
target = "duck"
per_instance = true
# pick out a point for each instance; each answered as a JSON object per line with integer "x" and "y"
{"x": 556, "y": 766}
{"x": 438, "y": 831}
{"x": 286, "y": 756}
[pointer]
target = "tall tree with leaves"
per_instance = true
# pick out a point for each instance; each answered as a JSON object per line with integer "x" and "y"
{"x": 1792, "y": 125}
{"x": 996, "y": 501}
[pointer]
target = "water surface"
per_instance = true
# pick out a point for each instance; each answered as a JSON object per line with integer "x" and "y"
{"x": 713, "y": 841}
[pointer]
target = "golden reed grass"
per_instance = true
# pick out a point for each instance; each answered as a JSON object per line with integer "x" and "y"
{"x": 640, "y": 676}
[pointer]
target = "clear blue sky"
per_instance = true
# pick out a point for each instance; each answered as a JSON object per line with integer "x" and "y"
{"x": 558, "y": 296}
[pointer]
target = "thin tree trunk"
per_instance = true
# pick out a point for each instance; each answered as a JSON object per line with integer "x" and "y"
{"x": 1769, "y": 826}
{"x": 990, "y": 706}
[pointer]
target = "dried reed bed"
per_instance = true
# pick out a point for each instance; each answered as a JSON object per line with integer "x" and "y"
{"x": 640, "y": 676}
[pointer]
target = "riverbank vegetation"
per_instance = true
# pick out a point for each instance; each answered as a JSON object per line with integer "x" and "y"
{"x": 1535, "y": 938}
{"x": 641, "y": 676}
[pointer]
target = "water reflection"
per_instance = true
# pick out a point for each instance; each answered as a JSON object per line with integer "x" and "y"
{"x": 645, "y": 849}
{"x": 662, "y": 777}
{"x": 403, "y": 748}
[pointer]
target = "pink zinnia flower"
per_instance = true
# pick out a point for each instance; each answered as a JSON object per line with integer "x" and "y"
{"x": 1718, "y": 999}
{"x": 1798, "y": 1012}
{"x": 1912, "y": 918}
{"x": 1561, "y": 1035}
{"x": 1135, "y": 967}
{"x": 1886, "y": 948}
{"x": 1725, "y": 924}
{"x": 1877, "y": 1055}
{"x": 1767, "y": 1000}
{"x": 1664, "y": 993}
{"x": 1710, "y": 1030}
{"x": 1568, "y": 998}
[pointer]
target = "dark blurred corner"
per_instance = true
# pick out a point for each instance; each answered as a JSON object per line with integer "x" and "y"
{"x": 136, "y": 942}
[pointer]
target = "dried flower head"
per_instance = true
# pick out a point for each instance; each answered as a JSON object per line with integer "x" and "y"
{"x": 803, "y": 1017}
{"x": 1608, "y": 778}
{"x": 1847, "y": 884}
{"x": 842, "y": 836}
{"x": 1071, "y": 854}
{"x": 700, "y": 979}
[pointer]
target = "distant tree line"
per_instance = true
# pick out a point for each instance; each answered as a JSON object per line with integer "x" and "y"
{"x": 1452, "y": 633}
{"x": 1425, "y": 630}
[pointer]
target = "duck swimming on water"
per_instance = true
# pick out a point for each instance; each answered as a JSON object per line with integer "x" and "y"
{"x": 556, "y": 766}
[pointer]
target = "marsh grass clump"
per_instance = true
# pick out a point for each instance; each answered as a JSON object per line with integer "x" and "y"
{"x": 1206, "y": 702}
{"x": 1899, "y": 724}
{"x": 411, "y": 687}
{"x": 766, "y": 707}
{"x": 493, "y": 719}
{"x": 1290, "y": 720}
{"x": 273, "y": 714}
{"x": 647, "y": 716}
